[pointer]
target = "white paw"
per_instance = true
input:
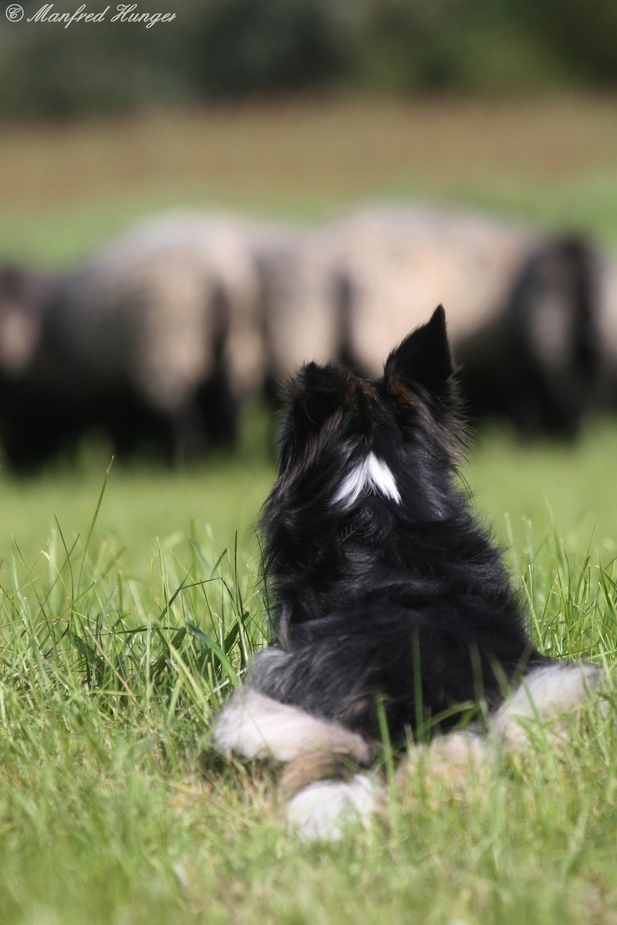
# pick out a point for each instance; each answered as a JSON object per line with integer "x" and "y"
{"x": 325, "y": 810}
{"x": 256, "y": 726}
{"x": 544, "y": 695}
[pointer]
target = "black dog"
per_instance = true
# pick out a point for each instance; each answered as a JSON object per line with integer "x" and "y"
{"x": 391, "y": 601}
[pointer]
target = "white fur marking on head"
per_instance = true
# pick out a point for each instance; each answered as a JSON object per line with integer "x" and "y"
{"x": 545, "y": 694}
{"x": 324, "y": 810}
{"x": 257, "y": 726}
{"x": 372, "y": 474}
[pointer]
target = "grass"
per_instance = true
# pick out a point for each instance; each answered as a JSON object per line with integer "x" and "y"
{"x": 121, "y": 637}
{"x": 127, "y": 616}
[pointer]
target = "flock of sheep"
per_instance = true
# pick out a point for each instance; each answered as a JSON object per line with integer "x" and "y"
{"x": 162, "y": 335}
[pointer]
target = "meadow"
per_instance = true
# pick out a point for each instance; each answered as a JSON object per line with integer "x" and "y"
{"x": 130, "y": 600}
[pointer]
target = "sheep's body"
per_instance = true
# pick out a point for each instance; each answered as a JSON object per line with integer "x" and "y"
{"x": 399, "y": 260}
{"x": 607, "y": 300}
{"x": 521, "y": 316}
{"x": 157, "y": 336}
{"x": 301, "y": 276}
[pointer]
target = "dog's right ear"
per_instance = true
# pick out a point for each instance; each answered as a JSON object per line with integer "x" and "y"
{"x": 423, "y": 358}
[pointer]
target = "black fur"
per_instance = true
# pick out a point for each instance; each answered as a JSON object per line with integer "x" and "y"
{"x": 542, "y": 391}
{"x": 404, "y": 602}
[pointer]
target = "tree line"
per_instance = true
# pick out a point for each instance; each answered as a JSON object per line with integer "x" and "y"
{"x": 230, "y": 49}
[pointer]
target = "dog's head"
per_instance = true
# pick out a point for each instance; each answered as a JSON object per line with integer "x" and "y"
{"x": 350, "y": 444}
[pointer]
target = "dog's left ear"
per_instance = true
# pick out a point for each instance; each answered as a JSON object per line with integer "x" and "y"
{"x": 423, "y": 358}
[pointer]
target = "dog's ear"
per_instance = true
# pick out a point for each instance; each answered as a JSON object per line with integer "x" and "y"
{"x": 423, "y": 358}
{"x": 313, "y": 396}
{"x": 317, "y": 393}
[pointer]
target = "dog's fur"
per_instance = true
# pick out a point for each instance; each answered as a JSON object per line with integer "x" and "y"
{"x": 391, "y": 601}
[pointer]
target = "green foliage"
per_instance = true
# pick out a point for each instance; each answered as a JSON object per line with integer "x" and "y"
{"x": 239, "y": 48}
{"x": 106, "y": 66}
{"x": 582, "y": 37}
{"x": 247, "y": 47}
{"x": 454, "y": 45}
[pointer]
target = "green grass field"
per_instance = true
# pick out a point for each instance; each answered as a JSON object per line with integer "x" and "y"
{"x": 130, "y": 602}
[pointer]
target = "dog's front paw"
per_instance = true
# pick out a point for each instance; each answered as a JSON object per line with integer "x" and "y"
{"x": 325, "y": 810}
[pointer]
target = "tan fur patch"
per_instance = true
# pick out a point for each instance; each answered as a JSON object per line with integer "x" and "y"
{"x": 453, "y": 762}
{"x": 257, "y": 726}
{"x": 312, "y": 767}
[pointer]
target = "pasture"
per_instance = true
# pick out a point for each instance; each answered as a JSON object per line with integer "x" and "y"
{"x": 130, "y": 600}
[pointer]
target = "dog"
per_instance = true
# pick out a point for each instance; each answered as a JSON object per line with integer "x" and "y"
{"x": 394, "y": 614}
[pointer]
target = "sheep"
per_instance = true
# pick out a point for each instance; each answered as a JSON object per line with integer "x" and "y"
{"x": 24, "y": 292}
{"x": 607, "y": 299}
{"x": 522, "y": 312}
{"x": 161, "y": 336}
{"x": 300, "y": 292}
{"x": 156, "y": 338}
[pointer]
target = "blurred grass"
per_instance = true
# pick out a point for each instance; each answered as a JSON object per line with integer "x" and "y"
{"x": 65, "y": 188}
{"x": 143, "y": 505}
{"x": 556, "y": 487}
{"x": 146, "y": 503}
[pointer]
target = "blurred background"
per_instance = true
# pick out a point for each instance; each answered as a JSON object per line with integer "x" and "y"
{"x": 189, "y": 209}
